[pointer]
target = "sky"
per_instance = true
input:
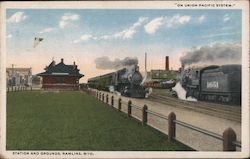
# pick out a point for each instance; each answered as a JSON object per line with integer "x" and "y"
{"x": 82, "y": 35}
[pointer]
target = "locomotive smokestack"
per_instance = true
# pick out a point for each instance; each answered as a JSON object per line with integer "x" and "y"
{"x": 167, "y": 64}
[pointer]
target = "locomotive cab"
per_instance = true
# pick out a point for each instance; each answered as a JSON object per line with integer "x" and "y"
{"x": 191, "y": 82}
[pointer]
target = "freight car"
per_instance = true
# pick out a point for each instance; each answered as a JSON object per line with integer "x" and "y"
{"x": 127, "y": 81}
{"x": 214, "y": 83}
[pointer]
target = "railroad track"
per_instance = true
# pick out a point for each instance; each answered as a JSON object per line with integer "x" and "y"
{"x": 222, "y": 111}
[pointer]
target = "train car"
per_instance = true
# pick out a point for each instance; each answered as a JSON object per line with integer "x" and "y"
{"x": 163, "y": 79}
{"x": 127, "y": 81}
{"x": 214, "y": 83}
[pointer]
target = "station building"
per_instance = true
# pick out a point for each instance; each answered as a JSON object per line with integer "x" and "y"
{"x": 60, "y": 76}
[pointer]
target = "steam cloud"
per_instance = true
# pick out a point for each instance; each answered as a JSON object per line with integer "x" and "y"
{"x": 218, "y": 53}
{"x": 181, "y": 93}
{"x": 105, "y": 63}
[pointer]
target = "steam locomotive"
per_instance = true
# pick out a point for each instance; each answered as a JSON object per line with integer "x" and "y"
{"x": 127, "y": 81}
{"x": 214, "y": 83}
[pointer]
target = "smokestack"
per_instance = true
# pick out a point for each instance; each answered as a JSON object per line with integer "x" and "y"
{"x": 167, "y": 64}
{"x": 61, "y": 60}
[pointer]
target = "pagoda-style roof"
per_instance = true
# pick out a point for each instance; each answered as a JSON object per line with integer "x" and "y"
{"x": 61, "y": 70}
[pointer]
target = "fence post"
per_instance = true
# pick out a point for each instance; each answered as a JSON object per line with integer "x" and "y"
{"x": 100, "y": 95}
{"x": 144, "y": 114}
{"x": 103, "y": 97}
{"x": 107, "y": 99}
{"x": 229, "y": 136}
{"x": 129, "y": 107}
{"x": 112, "y": 101}
{"x": 171, "y": 126}
{"x": 119, "y": 104}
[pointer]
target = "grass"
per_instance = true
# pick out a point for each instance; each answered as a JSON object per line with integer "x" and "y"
{"x": 75, "y": 121}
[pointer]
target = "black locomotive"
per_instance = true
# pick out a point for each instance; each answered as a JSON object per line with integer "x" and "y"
{"x": 127, "y": 81}
{"x": 214, "y": 83}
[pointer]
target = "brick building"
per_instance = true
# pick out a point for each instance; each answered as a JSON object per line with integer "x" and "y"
{"x": 60, "y": 76}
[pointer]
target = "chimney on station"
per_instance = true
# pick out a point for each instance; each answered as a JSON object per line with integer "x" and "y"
{"x": 74, "y": 65}
{"x": 167, "y": 63}
{"x": 61, "y": 60}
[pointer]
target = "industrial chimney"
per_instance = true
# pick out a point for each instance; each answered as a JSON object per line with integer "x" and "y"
{"x": 167, "y": 64}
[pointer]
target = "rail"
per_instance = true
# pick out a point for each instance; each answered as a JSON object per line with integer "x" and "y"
{"x": 157, "y": 114}
{"x": 229, "y": 136}
{"x": 136, "y": 107}
{"x": 209, "y": 133}
{"x": 237, "y": 143}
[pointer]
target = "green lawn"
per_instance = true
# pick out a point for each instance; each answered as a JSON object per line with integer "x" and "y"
{"x": 75, "y": 121}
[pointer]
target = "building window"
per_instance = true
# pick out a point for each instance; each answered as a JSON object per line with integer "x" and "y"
{"x": 60, "y": 80}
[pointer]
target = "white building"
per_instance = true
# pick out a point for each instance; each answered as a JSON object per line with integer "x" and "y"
{"x": 19, "y": 76}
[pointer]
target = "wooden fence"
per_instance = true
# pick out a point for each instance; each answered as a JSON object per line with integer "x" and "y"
{"x": 18, "y": 88}
{"x": 228, "y": 137}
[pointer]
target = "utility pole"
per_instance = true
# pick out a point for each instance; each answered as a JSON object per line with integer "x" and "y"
{"x": 12, "y": 74}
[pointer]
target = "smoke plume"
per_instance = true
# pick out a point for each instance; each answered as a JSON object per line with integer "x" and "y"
{"x": 216, "y": 54}
{"x": 181, "y": 93}
{"x": 105, "y": 63}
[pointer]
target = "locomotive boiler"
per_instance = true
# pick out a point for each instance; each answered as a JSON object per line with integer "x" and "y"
{"x": 214, "y": 83}
{"x": 127, "y": 81}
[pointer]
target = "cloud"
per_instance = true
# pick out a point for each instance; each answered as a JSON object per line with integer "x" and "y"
{"x": 46, "y": 30}
{"x": 168, "y": 22}
{"x": 177, "y": 20}
{"x": 201, "y": 18}
{"x": 17, "y": 17}
{"x": 124, "y": 34}
{"x": 153, "y": 25}
{"x": 9, "y": 36}
{"x": 226, "y": 17}
{"x": 67, "y": 18}
{"x": 85, "y": 37}
{"x": 220, "y": 34}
